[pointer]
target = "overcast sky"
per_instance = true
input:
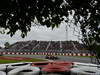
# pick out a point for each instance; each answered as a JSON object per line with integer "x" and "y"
{"x": 42, "y": 33}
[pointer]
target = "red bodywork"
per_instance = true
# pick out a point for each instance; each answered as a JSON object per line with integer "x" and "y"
{"x": 63, "y": 63}
{"x": 55, "y": 68}
{"x": 40, "y": 64}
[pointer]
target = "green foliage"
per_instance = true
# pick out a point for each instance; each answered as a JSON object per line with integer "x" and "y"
{"x": 7, "y": 44}
{"x": 19, "y": 14}
{"x": 97, "y": 48}
{"x": 87, "y": 14}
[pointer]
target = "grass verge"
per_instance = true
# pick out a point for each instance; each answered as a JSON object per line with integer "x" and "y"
{"x": 4, "y": 61}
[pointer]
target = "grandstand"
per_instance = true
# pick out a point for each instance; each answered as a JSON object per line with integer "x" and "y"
{"x": 47, "y": 46}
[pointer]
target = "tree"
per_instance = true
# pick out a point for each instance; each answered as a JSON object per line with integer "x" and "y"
{"x": 19, "y": 15}
{"x": 87, "y": 14}
{"x": 7, "y": 44}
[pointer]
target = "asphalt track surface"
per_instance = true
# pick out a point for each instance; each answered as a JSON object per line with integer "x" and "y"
{"x": 63, "y": 58}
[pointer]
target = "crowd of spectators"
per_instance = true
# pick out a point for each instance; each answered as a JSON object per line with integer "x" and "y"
{"x": 54, "y": 45}
{"x": 47, "y": 46}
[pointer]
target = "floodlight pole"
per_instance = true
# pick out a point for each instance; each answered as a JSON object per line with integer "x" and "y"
{"x": 66, "y": 33}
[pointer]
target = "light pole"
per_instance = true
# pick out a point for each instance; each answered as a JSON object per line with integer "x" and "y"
{"x": 66, "y": 32}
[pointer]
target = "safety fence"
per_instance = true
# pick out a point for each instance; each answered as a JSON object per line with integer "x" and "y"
{"x": 46, "y": 53}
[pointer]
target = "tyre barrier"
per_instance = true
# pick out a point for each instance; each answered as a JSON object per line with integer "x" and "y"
{"x": 75, "y": 68}
{"x": 85, "y": 70}
{"x": 44, "y": 53}
{"x": 2, "y": 67}
{"x": 25, "y": 71}
{"x": 30, "y": 71}
{"x": 2, "y": 73}
{"x": 77, "y": 64}
{"x": 16, "y": 65}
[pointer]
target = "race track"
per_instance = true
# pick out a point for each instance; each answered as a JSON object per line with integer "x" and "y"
{"x": 64, "y": 58}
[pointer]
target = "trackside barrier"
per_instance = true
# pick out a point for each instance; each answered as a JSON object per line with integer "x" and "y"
{"x": 78, "y": 54}
{"x": 74, "y": 54}
{"x": 45, "y": 53}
